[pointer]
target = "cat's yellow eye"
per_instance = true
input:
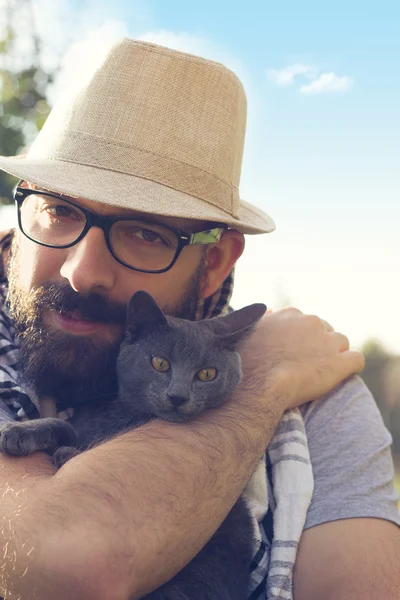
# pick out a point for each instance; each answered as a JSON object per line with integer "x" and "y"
{"x": 207, "y": 374}
{"x": 160, "y": 364}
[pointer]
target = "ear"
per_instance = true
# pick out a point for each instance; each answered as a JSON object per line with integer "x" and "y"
{"x": 143, "y": 314}
{"x": 220, "y": 260}
{"x": 235, "y": 326}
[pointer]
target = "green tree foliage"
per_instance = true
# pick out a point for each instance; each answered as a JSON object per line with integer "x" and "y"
{"x": 23, "y": 105}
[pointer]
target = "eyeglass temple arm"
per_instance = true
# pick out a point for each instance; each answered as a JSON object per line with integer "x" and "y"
{"x": 206, "y": 237}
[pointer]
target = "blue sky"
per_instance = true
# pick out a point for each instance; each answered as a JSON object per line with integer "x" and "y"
{"x": 324, "y": 165}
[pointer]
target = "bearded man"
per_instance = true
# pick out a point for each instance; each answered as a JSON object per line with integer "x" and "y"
{"x": 133, "y": 185}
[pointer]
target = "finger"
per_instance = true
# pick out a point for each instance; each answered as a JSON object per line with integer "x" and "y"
{"x": 342, "y": 340}
{"x": 354, "y": 360}
{"x": 328, "y": 326}
{"x": 290, "y": 311}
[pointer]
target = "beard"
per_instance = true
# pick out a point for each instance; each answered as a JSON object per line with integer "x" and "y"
{"x": 75, "y": 369}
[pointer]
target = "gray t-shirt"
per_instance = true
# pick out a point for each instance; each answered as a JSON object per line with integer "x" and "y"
{"x": 350, "y": 451}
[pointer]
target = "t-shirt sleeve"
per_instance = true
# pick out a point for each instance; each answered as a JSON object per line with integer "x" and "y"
{"x": 350, "y": 450}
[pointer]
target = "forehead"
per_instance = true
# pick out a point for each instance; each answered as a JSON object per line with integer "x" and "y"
{"x": 110, "y": 210}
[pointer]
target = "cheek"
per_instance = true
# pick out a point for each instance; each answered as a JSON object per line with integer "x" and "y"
{"x": 167, "y": 288}
{"x": 38, "y": 264}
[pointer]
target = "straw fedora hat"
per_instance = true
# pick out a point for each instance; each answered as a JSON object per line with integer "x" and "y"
{"x": 154, "y": 130}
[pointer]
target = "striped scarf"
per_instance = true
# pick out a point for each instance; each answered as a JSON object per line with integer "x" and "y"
{"x": 278, "y": 494}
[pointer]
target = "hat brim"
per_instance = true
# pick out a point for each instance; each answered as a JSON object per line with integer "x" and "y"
{"x": 128, "y": 191}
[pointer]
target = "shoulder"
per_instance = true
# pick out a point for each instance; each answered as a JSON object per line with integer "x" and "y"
{"x": 350, "y": 405}
{"x": 348, "y": 415}
{"x": 350, "y": 451}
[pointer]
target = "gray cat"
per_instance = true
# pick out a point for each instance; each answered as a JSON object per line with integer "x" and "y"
{"x": 172, "y": 369}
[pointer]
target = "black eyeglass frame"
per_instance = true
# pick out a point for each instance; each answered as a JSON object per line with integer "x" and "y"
{"x": 105, "y": 222}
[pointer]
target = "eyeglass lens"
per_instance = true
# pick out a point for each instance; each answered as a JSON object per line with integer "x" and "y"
{"x": 142, "y": 245}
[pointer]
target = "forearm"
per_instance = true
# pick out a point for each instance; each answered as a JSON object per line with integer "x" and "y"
{"x": 129, "y": 514}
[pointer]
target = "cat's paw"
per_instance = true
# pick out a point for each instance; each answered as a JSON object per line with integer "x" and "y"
{"x": 22, "y": 439}
{"x": 17, "y": 440}
{"x": 63, "y": 455}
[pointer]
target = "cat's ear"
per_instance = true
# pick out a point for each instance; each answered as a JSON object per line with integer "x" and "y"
{"x": 143, "y": 314}
{"x": 235, "y": 326}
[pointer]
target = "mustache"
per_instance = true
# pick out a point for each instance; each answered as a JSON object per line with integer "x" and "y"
{"x": 61, "y": 298}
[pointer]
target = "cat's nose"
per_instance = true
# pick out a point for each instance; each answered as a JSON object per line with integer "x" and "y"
{"x": 177, "y": 400}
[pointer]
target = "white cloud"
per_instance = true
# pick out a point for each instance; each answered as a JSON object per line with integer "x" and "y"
{"x": 328, "y": 83}
{"x": 318, "y": 83}
{"x": 287, "y": 75}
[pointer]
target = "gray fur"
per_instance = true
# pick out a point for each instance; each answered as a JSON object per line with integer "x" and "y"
{"x": 221, "y": 569}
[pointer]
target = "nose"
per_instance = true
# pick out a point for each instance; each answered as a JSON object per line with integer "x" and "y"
{"x": 177, "y": 400}
{"x": 89, "y": 264}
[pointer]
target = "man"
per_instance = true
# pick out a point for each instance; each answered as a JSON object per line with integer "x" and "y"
{"x": 123, "y": 174}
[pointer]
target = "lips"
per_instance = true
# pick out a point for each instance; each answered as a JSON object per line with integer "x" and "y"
{"x": 75, "y": 315}
{"x": 75, "y": 323}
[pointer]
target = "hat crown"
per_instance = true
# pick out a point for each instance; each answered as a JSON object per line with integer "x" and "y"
{"x": 159, "y": 114}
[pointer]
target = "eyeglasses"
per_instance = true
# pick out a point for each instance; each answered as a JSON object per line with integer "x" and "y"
{"x": 137, "y": 244}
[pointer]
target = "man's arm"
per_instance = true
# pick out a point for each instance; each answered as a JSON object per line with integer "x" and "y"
{"x": 119, "y": 520}
{"x": 349, "y": 559}
{"x": 122, "y": 518}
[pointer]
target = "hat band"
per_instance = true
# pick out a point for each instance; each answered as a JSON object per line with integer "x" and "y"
{"x": 89, "y": 150}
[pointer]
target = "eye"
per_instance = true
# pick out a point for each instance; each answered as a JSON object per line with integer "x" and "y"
{"x": 144, "y": 236}
{"x": 207, "y": 374}
{"x": 58, "y": 212}
{"x": 160, "y": 364}
{"x": 147, "y": 235}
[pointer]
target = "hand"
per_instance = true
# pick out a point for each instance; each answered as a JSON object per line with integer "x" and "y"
{"x": 301, "y": 355}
